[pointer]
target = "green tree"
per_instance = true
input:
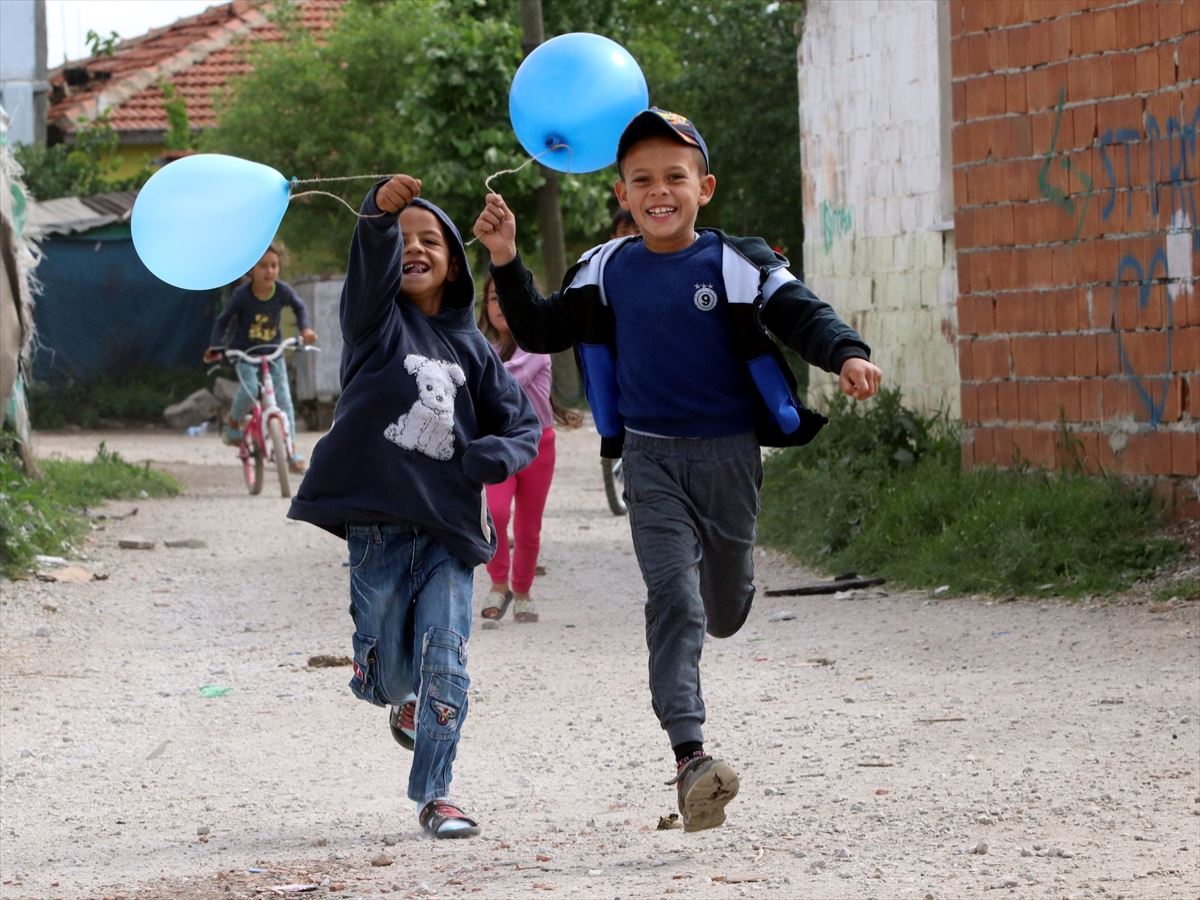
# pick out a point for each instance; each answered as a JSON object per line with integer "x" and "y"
{"x": 422, "y": 87}
{"x": 80, "y": 169}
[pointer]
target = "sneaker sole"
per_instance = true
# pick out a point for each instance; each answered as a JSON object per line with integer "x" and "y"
{"x": 704, "y": 804}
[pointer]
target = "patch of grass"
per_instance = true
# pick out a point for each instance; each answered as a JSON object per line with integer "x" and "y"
{"x": 47, "y": 516}
{"x": 138, "y": 395}
{"x": 881, "y": 491}
{"x": 1184, "y": 589}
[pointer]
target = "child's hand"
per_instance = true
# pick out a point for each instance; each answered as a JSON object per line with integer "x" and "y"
{"x": 213, "y": 354}
{"x": 308, "y": 336}
{"x": 396, "y": 193}
{"x": 496, "y": 229}
{"x": 859, "y": 379}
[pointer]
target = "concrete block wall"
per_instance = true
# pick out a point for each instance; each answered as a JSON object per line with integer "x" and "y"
{"x": 877, "y": 244}
{"x": 1076, "y": 166}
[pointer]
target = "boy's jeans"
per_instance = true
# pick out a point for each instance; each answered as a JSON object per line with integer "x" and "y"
{"x": 248, "y": 378}
{"x": 411, "y": 603}
{"x": 693, "y": 506}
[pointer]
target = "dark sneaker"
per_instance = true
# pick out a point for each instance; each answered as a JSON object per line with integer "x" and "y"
{"x": 705, "y": 785}
{"x": 402, "y": 720}
{"x": 442, "y": 819}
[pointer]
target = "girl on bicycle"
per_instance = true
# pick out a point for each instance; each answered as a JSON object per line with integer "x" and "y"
{"x": 253, "y": 312}
{"x": 527, "y": 489}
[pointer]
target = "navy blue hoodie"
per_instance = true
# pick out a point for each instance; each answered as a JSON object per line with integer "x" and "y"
{"x": 427, "y": 413}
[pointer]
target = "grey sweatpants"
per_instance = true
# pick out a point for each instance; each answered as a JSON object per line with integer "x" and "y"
{"x": 692, "y": 504}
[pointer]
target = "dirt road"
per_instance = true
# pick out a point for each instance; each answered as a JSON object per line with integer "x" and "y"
{"x": 889, "y": 744}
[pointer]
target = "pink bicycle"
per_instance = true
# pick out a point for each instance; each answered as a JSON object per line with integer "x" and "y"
{"x": 265, "y": 431}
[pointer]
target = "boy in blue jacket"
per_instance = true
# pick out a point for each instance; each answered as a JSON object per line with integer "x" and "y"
{"x": 427, "y": 416}
{"x": 685, "y": 386}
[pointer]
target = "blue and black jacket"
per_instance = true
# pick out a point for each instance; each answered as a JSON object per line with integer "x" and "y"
{"x": 761, "y": 296}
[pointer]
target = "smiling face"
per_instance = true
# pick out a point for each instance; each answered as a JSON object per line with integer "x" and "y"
{"x": 663, "y": 185}
{"x": 428, "y": 262}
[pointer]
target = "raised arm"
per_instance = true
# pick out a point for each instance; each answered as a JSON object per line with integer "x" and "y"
{"x": 539, "y": 324}
{"x": 373, "y": 270}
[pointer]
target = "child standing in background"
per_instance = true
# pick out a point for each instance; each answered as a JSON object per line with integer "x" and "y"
{"x": 526, "y": 490}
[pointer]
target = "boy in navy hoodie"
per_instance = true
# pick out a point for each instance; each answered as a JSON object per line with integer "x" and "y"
{"x": 685, "y": 385}
{"x": 427, "y": 416}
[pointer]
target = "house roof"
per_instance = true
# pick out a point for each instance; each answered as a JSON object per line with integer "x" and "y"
{"x": 198, "y": 55}
{"x": 70, "y": 215}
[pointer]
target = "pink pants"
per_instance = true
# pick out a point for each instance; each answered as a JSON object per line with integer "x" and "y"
{"x": 528, "y": 488}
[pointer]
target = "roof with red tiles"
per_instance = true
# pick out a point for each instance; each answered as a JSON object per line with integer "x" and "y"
{"x": 198, "y": 55}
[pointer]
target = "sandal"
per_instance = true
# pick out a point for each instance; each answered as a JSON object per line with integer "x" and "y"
{"x": 442, "y": 819}
{"x": 524, "y": 612}
{"x": 495, "y": 605}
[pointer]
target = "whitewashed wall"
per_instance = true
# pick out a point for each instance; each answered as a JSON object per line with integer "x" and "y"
{"x": 876, "y": 210}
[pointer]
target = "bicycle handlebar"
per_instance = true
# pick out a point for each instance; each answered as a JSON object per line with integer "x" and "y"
{"x": 288, "y": 344}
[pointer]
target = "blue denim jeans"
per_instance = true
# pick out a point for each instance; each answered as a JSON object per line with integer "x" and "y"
{"x": 248, "y": 392}
{"x": 410, "y": 599}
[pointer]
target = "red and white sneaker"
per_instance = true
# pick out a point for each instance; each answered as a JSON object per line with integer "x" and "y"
{"x": 402, "y": 721}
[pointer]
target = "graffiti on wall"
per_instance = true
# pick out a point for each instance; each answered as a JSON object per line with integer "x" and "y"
{"x": 1172, "y": 168}
{"x": 1059, "y": 196}
{"x": 835, "y": 222}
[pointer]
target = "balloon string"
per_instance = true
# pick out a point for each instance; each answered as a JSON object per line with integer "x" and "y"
{"x": 487, "y": 182}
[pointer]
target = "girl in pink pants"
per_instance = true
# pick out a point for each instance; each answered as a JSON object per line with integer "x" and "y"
{"x": 527, "y": 490}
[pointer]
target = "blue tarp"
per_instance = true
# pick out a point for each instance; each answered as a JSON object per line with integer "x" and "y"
{"x": 102, "y": 312}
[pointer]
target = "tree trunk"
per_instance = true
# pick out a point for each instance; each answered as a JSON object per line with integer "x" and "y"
{"x": 554, "y": 257}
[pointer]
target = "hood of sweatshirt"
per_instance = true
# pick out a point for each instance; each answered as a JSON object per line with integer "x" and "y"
{"x": 459, "y": 294}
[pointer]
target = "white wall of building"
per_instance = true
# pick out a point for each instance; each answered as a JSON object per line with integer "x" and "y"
{"x": 23, "y": 69}
{"x": 875, "y": 196}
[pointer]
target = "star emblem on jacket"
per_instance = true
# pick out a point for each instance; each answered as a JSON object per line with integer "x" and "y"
{"x": 705, "y": 297}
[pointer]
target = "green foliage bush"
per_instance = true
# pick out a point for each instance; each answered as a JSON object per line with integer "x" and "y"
{"x": 138, "y": 395}
{"x": 882, "y": 491}
{"x": 47, "y": 515}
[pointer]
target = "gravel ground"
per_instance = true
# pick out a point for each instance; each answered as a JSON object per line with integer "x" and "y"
{"x": 889, "y": 744}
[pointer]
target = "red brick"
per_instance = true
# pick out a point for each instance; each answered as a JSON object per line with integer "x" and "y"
{"x": 1190, "y": 17}
{"x": 997, "y": 49}
{"x": 969, "y": 401}
{"x": 1007, "y": 401}
{"x": 1168, "y": 72}
{"x": 985, "y": 315}
{"x": 1147, "y": 23}
{"x": 1042, "y": 88}
{"x": 1016, "y": 100}
{"x": 1002, "y": 441}
{"x": 1170, "y": 20}
{"x": 1120, "y": 401}
{"x": 958, "y": 101}
{"x": 988, "y": 397}
{"x": 1091, "y": 400}
{"x": 1193, "y": 396}
{"x": 1085, "y": 355}
{"x": 1106, "y": 30}
{"x": 1145, "y": 351}
{"x": 1083, "y": 35}
{"x": 1189, "y": 57}
{"x": 1108, "y": 359}
{"x": 1083, "y": 126}
{"x": 1147, "y": 70}
{"x": 1158, "y": 452}
{"x": 1027, "y": 357}
{"x": 1027, "y": 400}
{"x": 966, "y": 359}
{"x": 1185, "y": 349}
{"x": 985, "y": 451}
{"x": 1002, "y": 225}
{"x": 1018, "y": 47}
{"x": 991, "y": 358}
{"x": 1124, "y": 69}
{"x": 1039, "y": 45}
{"x": 1173, "y": 400}
{"x": 1185, "y": 453}
{"x": 957, "y": 25}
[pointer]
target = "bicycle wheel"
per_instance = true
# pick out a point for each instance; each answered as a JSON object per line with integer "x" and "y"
{"x": 614, "y": 485}
{"x": 252, "y": 468}
{"x": 279, "y": 453}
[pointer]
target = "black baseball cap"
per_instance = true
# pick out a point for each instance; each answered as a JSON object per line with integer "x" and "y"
{"x": 655, "y": 121}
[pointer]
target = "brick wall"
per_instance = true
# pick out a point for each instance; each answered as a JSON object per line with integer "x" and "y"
{"x": 875, "y": 203}
{"x": 1076, "y": 165}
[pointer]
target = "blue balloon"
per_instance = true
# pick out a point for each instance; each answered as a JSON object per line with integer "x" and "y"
{"x": 580, "y": 90}
{"x": 205, "y": 220}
